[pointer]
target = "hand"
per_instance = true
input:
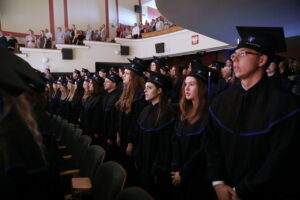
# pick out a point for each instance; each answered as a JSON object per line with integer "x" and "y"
{"x": 118, "y": 140}
{"x": 225, "y": 192}
{"x": 109, "y": 141}
{"x": 176, "y": 178}
{"x": 129, "y": 149}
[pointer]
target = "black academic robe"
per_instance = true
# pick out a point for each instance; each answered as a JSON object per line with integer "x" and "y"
{"x": 76, "y": 106}
{"x": 190, "y": 160}
{"x": 109, "y": 110}
{"x": 153, "y": 150}
{"x": 62, "y": 108}
{"x": 53, "y": 103}
{"x": 127, "y": 123}
{"x": 23, "y": 169}
{"x": 91, "y": 115}
{"x": 252, "y": 141}
{"x": 176, "y": 90}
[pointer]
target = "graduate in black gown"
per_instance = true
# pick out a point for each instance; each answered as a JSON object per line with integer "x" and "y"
{"x": 130, "y": 104}
{"x": 92, "y": 110}
{"x": 252, "y": 136}
{"x": 177, "y": 83}
{"x": 76, "y": 102}
{"x": 109, "y": 115}
{"x": 23, "y": 166}
{"x": 189, "y": 170}
{"x": 62, "y": 106}
{"x": 156, "y": 125}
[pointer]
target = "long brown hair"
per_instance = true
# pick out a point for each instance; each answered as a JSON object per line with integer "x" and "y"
{"x": 188, "y": 110}
{"x": 136, "y": 83}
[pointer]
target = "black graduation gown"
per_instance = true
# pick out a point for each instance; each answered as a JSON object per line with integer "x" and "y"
{"x": 75, "y": 110}
{"x": 108, "y": 122}
{"x": 53, "y": 104}
{"x": 190, "y": 160}
{"x": 176, "y": 90}
{"x": 91, "y": 113}
{"x": 127, "y": 123}
{"x": 23, "y": 170}
{"x": 62, "y": 108}
{"x": 252, "y": 141}
{"x": 153, "y": 150}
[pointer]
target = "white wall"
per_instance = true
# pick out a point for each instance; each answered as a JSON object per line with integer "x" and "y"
{"x": 176, "y": 43}
{"x": 81, "y": 13}
{"x": 20, "y": 15}
{"x": 58, "y": 6}
{"x": 126, "y": 12}
{"x": 113, "y": 20}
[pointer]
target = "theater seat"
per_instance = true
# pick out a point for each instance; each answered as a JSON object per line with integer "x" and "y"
{"x": 133, "y": 193}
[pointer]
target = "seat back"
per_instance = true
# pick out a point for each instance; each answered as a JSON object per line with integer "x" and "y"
{"x": 91, "y": 161}
{"x": 109, "y": 181}
{"x": 133, "y": 193}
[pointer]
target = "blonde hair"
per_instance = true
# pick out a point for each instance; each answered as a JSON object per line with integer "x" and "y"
{"x": 71, "y": 92}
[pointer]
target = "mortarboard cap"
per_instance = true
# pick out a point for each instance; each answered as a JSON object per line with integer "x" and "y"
{"x": 76, "y": 71}
{"x": 114, "y": 78}
{"x": 17, "y": 75}
{"x": 71, "y": 81}
{"x": 85, "y": 70}
{"x": 159, "y": 61}
{"x": 162, "y": 81}
{"x": 265, "y": 40}
{"x": 114, "y": 69}
{"x": 135, "y": 67}
{"x": 103, "y": 70}
{"x": 202, "y": 73}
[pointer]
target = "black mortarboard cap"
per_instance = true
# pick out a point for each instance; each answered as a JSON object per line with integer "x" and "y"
{"x": 114, "y": 69}
{"x": 135, "y": 67}
{"x": 162, "y": 81}
{"x": 139, "y": 61}
{"x": 266, "y": 40}
{"x": 98, "y": 79}
{"x": 217, "y": 64}
{"x": 103, "y": 70}
{"x": 114, "y": 78}
{"x": 76, "y": 71}
{"x": 17, "y": 75}
{"x": 63, "y": 82}
{"x": 159, "y": 61}
{"x": 71, "y": 81}
{"x": 85, "y": 70}
{"x": 202, "y": 73}
{"x": 79, "y": 80}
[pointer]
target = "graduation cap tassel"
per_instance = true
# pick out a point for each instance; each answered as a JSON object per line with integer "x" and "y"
{"x": 209, "y": 85}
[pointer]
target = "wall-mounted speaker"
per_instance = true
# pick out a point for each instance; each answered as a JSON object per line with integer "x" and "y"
{"x": 160, "y": 47}
{"x": 67, "y": 54}
{"x": 124, "y": 50}
{"x": 137, "y": 9}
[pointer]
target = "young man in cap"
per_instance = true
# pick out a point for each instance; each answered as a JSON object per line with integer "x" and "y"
{"x": 252, "y": 136}
{"x": 109, "y": 114}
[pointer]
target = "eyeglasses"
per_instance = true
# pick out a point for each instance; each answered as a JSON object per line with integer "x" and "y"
{"x": 242, "y": 54}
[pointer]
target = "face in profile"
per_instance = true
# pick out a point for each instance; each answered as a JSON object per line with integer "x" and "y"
{"x": 126, "y": 76}
{"x": 190, "y": 88}
{"x": 108, "y": 84}
{"x": 151, "y": 91}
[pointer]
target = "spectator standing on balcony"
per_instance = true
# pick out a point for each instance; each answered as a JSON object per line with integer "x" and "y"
{"x": 146, "y": 26}
{"x": 135, "y": 31}
{"x": 159, "y": 24}
{"x": 59, "y": 36}
{"x": 3, "y": 41}
{"x": 89, "y": 32}
{"x": 12, "y": 43}
{"x": 49, "y": 38}
{"x": 152, "y": 25}
{"x": 68, "y": 35}
{"x": 30, "y": 40}
{"x": 42, "y": 40}
{"x": 73, "y": 32}
{"x": 103, "y": 33}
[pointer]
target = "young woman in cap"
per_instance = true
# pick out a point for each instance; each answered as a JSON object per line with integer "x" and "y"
{"x": 129, "y": 106}
{"x": 76, "y": 102}
{"x": 188, "y": 173}
{"x": 62, "y": 105}
{"x": 155, "y": 129}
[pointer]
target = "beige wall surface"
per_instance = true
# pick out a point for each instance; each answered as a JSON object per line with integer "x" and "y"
{"x": 84, "y": 12}
{"x": 21, "y": 15}
{"x": 126, "y": 12}
{"x": 113, "y": 20}
{"x": 59, "y": 17}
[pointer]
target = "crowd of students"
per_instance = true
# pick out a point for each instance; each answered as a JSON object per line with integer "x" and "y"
{"x": 182, "y": 133}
